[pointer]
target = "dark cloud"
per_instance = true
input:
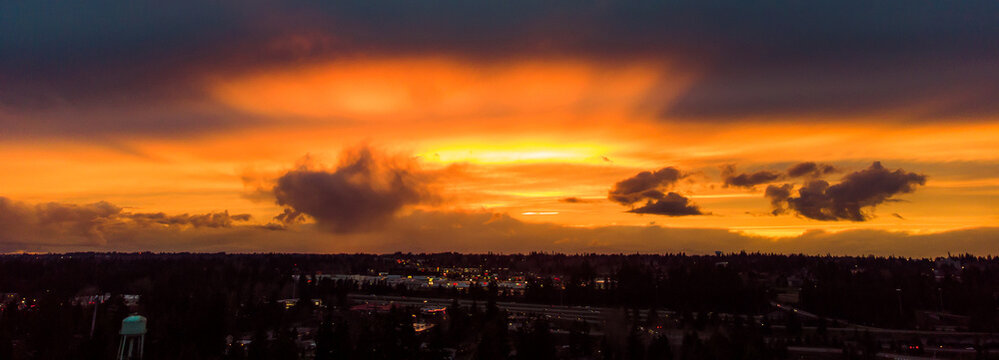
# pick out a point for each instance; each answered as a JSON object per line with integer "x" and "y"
{"x": 290, "y": 216}
{"x": 747, "y": 180}
{"x": 754, "y": 59}
{"x": 108, "y": 124}
{"x": 778, "y": 196}
{"x": 860, "y": 86}
{"x": 364, "y": 191}
{"x": 55, "y": 222}
{"x": 574, "y": 200}
{"x": 751, "y": 180}
{"x": 643, "y": 186}
{"x": 810, "y": 169}
{"x": 671, "y": 204}
{"x": 852, "y": 199}
{"x": 212, "y": 220}
{"x": 650, "y": 186}
{"x": 828, "y": 60}
{"x": 274, "y": 226}
{"x": 91, "y": 223}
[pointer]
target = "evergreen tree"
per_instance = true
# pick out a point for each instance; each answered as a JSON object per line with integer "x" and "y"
{"x": 636, "y": 346}
{"x": 258, "y": 346}
{"x": 325, "y": 340}
{"x": 342, "y": 348}
{"x": 535, "y": 341}
{"x": 793, "y": 324}
{"x": 652, "y": 319}
{"x": 580, "y": 342}
{"x": 284, "y": 346}
{"x": 659, "y": 348}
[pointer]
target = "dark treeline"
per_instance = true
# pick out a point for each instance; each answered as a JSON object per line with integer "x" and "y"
{"x": 197, "y": 303}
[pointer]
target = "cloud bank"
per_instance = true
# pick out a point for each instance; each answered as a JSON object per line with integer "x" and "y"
{"x": 482, "y": 231}
{"x": 60, "y": 223}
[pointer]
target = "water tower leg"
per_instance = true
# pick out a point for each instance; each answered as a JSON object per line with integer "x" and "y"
{"x": 121, "y": 349}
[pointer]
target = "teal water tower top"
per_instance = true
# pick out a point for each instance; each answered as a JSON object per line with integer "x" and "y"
{"x": 133, "y": 325}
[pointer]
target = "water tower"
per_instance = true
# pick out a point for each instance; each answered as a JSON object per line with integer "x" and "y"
{"x": 133, "y": 336}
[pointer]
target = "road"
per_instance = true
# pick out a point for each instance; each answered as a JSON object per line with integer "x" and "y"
{"x": 590, "y": 314}
{"x": 876, "y": 330}
{"x": 598, "y": 315}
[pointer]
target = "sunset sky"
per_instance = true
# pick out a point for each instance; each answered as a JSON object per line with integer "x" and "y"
{"x": 841, "y": 127}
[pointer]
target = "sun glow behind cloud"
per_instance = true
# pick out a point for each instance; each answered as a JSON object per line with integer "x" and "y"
{"x": 540, "y": 213}
{"x": 440, "y": 88}
{"x": 483, "y": 151}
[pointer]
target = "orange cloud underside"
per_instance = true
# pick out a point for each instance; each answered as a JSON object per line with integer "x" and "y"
{"x": 416, "y": 89}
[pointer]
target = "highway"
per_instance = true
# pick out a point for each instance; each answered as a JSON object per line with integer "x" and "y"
{"x": 590, "y": 314}
{"x": 876, "y": 330}
{"x": 598, "y": 315}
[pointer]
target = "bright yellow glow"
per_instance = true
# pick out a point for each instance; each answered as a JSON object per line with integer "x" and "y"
{"x": 723, "y": 196}
{"x": 487, "y": 152}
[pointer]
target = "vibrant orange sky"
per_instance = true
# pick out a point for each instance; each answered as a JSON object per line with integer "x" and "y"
{"x": 411, "y": 138}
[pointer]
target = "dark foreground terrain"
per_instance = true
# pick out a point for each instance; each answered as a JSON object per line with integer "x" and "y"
{"x": 537, "y": 306}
